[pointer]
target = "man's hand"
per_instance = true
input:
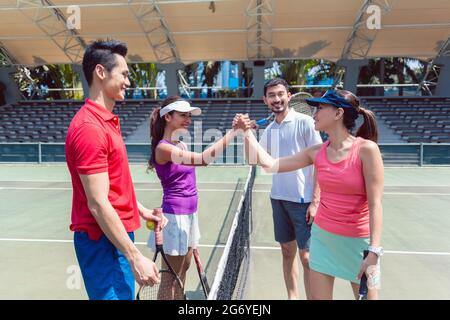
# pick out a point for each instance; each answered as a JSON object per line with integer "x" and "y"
{"x": 311, "y": 212}
{"x": 145, "y": 270}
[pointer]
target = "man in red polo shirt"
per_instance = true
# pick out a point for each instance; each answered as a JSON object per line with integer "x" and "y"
{"x": 105, "y": 212}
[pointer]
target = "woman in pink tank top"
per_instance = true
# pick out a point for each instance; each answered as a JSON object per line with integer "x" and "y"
{"x": 349, "y": 171}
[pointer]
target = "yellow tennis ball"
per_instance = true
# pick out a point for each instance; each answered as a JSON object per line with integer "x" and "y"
{"x": 150, "y": 225}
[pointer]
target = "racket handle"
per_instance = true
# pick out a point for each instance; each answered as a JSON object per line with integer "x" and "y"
{"x": 158, "y": 231}
{"x": 363, "y": 284}
{"x": 197, "y": 260}
{"x": 261, "y": 122}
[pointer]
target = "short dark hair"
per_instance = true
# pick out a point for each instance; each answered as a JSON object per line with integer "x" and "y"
{"x": 102, "y": 52}
{"x": 275, "y": 82}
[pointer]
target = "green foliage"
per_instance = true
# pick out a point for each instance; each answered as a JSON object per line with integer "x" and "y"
{"x": 52, "y": 76}
{"x": 143, "y": 75}
{"x": 210, "y": 72}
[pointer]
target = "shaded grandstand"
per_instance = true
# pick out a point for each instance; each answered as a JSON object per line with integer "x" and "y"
{"x": 235, "y": 31}
{"x": 415, "y": 119}
{"x": 48, "y": 121}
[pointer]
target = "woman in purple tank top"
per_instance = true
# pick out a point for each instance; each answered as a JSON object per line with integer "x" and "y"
{"x": 175, "y": 167}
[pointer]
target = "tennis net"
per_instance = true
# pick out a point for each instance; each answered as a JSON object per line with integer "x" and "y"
{"x": 232, "y": 272}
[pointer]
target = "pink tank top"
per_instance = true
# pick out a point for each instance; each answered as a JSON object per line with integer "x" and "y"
{"x": 343, "y": 208}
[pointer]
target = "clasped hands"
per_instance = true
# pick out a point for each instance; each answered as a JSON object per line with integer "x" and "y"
{"x": 243, "y": 122}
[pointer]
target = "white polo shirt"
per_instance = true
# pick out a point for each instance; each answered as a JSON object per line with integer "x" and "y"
{"x": 295, "y": 133}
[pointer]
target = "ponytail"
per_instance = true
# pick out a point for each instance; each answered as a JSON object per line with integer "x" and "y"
{"x": 157, "y": 127}
{"x": 368, "y": 130}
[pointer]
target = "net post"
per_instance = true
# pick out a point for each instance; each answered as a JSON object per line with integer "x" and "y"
{"x": 39, "y": 152}
{"x": 421, "y": 154}
{"x": 235, "y": 151}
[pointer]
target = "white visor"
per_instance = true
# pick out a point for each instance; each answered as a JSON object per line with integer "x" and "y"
{"x": 180, "y": 106}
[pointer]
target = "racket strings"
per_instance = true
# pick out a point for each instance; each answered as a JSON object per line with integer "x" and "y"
{"x": 299, "y": 104}
{"x": 168, "y": 289}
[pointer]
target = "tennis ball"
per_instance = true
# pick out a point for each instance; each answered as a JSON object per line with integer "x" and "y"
{"x": 150, "y": 225}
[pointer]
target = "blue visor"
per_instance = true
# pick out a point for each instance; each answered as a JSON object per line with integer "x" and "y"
{"x": 330, "y": 97}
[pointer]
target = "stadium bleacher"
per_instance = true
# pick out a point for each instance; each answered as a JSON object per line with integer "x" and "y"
{"x": 47, "y": 121}
{"x": 415, "y": 119}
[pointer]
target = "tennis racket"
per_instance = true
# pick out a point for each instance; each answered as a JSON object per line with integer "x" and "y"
{"x": 170, "y": 286}
{"x": 363, "y": 290}
{"x": 201, "y": 273}
{"x": 297, "y": 102}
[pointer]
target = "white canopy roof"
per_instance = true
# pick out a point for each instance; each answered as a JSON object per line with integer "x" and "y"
{"x": 195, "y": 30}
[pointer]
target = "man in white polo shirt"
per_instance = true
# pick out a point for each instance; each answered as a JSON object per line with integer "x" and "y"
{"x": 294, "y": 195}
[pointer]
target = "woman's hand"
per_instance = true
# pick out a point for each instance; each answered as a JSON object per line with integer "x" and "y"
{"x": 311, "y": 212}
{"x": 370, "y": 260}
{"x": 243, "y": 122}
{"x": 150, "y": 215}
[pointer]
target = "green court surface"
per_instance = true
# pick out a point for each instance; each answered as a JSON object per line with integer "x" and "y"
{"x": 38, "y": 259}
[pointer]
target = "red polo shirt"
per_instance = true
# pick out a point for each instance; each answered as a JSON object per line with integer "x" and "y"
{"x": 94, "y": 144}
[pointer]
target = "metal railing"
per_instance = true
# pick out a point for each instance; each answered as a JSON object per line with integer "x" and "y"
{"x": 216, "y": 91}
{"x": 43, "y": 152}
{"x": 406, "y": 154}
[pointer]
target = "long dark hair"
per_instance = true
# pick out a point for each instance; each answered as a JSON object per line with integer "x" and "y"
{"x": 368, "y": 130}
{"x": 157, "y": 126}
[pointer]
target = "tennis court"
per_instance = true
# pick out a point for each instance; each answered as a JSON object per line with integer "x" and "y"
{"x": 38, "y": 259}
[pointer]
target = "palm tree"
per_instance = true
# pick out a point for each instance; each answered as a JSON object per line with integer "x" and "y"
{"x": 210, "y": 72}
{"x": 396, "y": 70}
{"x": 50, "y": 76}
{"x": 191, "y": 74}
{"x": 144, "y": 75}
{"x": 295, "y": 72}
{"x": 3, "y": 60}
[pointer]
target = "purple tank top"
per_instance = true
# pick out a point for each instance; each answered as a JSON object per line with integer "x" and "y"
{"x": 179, "y": 187}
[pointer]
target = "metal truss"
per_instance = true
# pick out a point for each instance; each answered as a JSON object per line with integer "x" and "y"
{"x": 8, "y": 58}
{"x": 154, "y": 26}
{"x": 259, "y": 29}
{"x": 53, "y": 23}
{"x": 431, "y": 77}
{"x": 360, "y": 40}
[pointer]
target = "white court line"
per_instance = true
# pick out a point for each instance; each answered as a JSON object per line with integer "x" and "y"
{"x": 389, "y": 193}
{"x": 222, "y": 246}
{"x": 416, "y": 194}
{"x": 70, "y": 181}
{"x": 226, "y": 190}
{"x": 35, "y": 240}
{"x": 136, "y": 189}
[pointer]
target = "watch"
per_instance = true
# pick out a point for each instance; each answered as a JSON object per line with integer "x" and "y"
{"x": 377, "y": 250}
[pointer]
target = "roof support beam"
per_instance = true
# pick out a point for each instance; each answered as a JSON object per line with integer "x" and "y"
{"x": 361, "y": 38}
{"x": 154, "y": 26}
{"x": 78, "y": 68}
{"x": 352, "y": 69}
{"x": 171, "y": 75}
{"x": 259, "y": 30}
{"x": 12, "y": 92}
{"x": 359, "y": 43}
{"x": 53, "y": 23}
{"x": 9, "y": 58}
{"x": 437, "y": 75}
